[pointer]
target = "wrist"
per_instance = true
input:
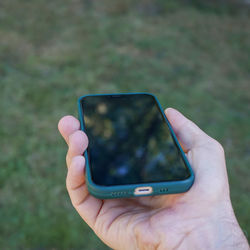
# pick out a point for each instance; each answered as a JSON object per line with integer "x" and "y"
{"x": 227, "y": 233}
{"x": 215, "y": 228}
{"x": 220, "y": 230}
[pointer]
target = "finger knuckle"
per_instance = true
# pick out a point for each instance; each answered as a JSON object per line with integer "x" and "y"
{"x": 218, "y": 146}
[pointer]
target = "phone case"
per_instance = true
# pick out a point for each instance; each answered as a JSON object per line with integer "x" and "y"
{"x": 125, "y": 191}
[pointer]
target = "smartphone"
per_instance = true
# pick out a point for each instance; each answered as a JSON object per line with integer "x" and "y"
{"x": 132, "y": 150}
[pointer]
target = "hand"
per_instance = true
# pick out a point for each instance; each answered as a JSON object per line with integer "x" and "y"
{"x": 201, "y": 218}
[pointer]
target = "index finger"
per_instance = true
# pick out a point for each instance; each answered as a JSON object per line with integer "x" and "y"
{"x": 67, "y": 126}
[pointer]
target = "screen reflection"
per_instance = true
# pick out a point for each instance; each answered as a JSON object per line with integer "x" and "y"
{"x": 129, "y": 141}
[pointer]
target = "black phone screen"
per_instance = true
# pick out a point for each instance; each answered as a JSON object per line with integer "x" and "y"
{"x": 130, "y": 141}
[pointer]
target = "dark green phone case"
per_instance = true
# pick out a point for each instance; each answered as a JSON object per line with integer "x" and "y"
{"x": 125, "y": 191}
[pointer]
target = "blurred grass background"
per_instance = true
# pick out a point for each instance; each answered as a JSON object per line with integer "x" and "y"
{"x": 194, "y": 55}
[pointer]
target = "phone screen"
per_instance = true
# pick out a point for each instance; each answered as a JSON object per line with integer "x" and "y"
{"x": 130, "y": 141}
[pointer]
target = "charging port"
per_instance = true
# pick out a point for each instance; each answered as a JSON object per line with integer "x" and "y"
{"x": 143, "y": 190}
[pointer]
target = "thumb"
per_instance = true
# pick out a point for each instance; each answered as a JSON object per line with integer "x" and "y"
{"x": 205, "y": 154}
{"x": 189, "y": 134}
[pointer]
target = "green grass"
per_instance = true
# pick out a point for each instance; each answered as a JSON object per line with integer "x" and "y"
{"x": 192, "y": 56}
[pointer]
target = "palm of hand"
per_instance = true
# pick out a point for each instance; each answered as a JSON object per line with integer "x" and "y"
{"x": 167, "y": 219}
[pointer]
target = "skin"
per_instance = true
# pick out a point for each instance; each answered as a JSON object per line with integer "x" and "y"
{"x": 201, "y": 218}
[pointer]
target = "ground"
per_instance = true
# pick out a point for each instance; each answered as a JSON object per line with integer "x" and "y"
{"x": 192, "y": 56}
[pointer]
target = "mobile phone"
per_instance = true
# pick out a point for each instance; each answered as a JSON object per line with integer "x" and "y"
{"x": 132, "y": 150}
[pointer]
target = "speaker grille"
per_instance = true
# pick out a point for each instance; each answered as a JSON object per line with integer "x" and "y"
{"x": 163, "y": 190}
{"x": 116, "y": 194}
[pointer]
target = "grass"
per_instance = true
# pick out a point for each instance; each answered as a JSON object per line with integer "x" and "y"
{"x": 192, "y": 56}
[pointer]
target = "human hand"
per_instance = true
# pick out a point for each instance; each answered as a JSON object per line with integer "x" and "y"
{"x": 201, "y": 218}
